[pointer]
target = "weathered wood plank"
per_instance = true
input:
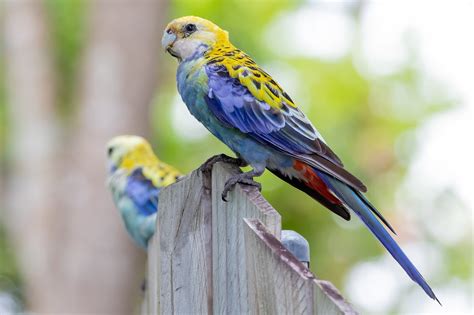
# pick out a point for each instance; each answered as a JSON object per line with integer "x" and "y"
{"x": 278, "y": 283}
{"x": 328, "y": 299}
{"x": 229, "y": 266}
{"x": 215, "y": 257}
{"x": 184, "y": 228}
{"x": 152, "y": 288}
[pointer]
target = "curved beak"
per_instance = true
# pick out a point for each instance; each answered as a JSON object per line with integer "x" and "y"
{"x": 168, "y": 40}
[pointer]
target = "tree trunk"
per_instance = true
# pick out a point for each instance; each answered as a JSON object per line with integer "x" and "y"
{"x": 118, "y": 81}
{"x": 32, "y": 186}
{"x": 73, "y": 251}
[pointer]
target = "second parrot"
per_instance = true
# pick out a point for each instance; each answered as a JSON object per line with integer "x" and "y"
{"x": 135, "y": 178}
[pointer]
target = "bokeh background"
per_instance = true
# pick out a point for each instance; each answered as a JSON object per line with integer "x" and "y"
{"x": 389, "y": 84}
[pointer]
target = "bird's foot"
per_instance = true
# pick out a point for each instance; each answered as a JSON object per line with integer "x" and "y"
{"x": 243, "y": 178}
{"x": 206, "y": 167}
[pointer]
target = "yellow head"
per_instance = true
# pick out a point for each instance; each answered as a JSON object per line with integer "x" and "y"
{"x": 188, "y": 35}
{"x": 129, "y": 152}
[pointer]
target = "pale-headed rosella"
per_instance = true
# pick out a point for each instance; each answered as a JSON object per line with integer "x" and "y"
{"x": 135, "y": 177}
{"x": 240, "y": 104}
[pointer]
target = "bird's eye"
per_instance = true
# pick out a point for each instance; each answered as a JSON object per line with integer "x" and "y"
{"x": 190, "y": 28}
{"x": 169, "y": 31}
{"x": 110, "y": 151}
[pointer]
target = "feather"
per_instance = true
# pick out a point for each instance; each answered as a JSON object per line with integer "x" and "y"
{"x": 245, "y": 108}
{"x": 365, "y": 212}
{"x": 281, "y": 126}
{"x": 142, "y": 191}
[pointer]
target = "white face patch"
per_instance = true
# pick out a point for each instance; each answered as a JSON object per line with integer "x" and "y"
{"x": 120, "y": 146}
{"x": 186, "y": 47}
{"x": 198, "y": 42}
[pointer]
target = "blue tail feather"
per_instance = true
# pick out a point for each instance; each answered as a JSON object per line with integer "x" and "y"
{"x": 365, "y": 212}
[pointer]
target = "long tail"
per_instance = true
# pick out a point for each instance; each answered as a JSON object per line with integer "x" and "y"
{"x": 339, "y": 198}
{"x": 365, "y": 211}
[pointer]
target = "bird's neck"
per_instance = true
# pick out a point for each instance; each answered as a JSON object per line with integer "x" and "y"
{"x": 219, "y": 49}
{"x": 133, "y": 160}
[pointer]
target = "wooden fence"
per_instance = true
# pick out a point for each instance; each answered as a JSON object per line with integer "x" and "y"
{"x": 214, "y": 257}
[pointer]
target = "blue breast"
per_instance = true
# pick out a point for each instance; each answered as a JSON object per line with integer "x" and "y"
{"x": 137, "y": 200}
{"x": 193, "y": 85}
{"x": 193, "y": 94}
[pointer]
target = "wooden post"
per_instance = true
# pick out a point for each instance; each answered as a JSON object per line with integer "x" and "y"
{"x": 229, "y": 248}
{"x": 183, "y": 243}
{"x": 214, "y": 257}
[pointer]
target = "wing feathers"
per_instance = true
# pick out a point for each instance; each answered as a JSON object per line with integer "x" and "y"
{"x": 142, "y": 191}
{"x": 338, "y": 209}
{"x": 237, "y": 101}
{"x": 335, "y": 170}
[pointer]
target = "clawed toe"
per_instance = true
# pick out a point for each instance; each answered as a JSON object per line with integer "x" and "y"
{"x": 206, "y": 167}
{"x": 239, "y": 179}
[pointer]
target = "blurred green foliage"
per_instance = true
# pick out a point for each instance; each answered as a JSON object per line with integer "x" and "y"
{"x": 9, "y": 276}
{"x": 358, "y": 115}
{"x": 67, "y": 21}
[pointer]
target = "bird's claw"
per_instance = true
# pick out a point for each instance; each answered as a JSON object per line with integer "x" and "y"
{"x": 239, "y": 179}
{"x": 206, "y": 167}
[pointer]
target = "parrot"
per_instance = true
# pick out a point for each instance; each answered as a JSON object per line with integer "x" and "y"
{"x": 135, "y": 177}
{"x": 246, "y": 109}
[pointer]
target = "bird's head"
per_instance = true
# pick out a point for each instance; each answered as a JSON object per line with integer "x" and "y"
{"x": 127, "y": 152}
{"x": 189, "y": 35}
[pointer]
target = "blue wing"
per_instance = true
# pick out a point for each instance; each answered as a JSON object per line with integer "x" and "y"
{"x": 142, "y": 192}
{"x": 285, "y": 128}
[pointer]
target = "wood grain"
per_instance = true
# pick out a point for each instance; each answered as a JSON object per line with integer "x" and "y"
{"x": 184, "y": 247}
{"x": 278, "y": 283}
{"x": 214, "y": 257}
{"x": 229, "y": 261}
